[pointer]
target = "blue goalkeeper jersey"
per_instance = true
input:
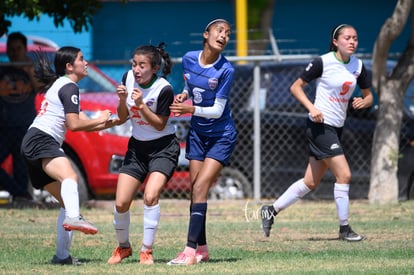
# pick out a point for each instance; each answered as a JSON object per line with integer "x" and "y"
{"x": 204, "y": 85}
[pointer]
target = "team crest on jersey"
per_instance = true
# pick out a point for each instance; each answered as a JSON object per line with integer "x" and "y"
{"x": 187, "y": 76}
{"x": 150, "y": 102}
{"x": 212, "y": 83}
{"x": 356, "y": 74}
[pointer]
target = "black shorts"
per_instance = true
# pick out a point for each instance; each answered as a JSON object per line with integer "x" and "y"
{"x": 144, "y": 157}
{"x": 38, "y": 145}
{"x": 324, "y": 140}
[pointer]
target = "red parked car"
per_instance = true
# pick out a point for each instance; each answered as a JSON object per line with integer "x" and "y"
{"x": 97, "y": 156}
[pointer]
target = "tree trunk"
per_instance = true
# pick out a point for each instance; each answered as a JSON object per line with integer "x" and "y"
{"x": 391, "y": 89}
{"x": 384, "y": 157}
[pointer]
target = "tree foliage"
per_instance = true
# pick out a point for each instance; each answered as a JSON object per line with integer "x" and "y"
{"x": 260, "y": 14}
{"x": 79, "y": 13}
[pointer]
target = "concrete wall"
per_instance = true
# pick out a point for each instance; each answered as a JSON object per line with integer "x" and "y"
{"x": 303, "y": 25}
{"x": 119, "y": 29}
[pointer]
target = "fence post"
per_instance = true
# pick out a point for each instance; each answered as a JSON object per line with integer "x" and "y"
{"x": 256, "y": 131}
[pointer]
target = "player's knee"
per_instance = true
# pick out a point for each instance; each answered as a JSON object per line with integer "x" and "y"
{"x": 199, "y": 196}
{"x": 122, "y": 207}
{"x": 151, "y": 199}
{"x": 311, "y": 184}
{"x": 344, "y": 177}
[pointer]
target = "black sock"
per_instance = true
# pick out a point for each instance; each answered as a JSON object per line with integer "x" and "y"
{"x": 344, "y": 228}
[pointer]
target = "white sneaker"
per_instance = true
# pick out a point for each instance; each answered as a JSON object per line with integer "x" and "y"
{"x": 183, "y": 259}
{"x": 80, "y": 224}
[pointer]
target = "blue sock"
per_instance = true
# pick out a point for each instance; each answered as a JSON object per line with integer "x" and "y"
{"x": 202, "y": 240}
{"x": 197, "y": 220}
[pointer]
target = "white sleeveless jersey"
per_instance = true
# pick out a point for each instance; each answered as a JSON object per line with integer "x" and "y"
{"x": 158, "y": 97}
{"x": 334, "y": 86}
{"x": 61, "y": 98}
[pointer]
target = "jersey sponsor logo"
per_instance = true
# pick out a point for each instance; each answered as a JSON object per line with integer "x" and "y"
{"x": 212, "y": 83}
{"x": 135, "y": 112}
{"x": 74, "y": 99}
{"x": 136, "y": 116}
{"x": 197, "y": 97}
{"x": 338, "y": 99}
{"x": 345, "y": 88}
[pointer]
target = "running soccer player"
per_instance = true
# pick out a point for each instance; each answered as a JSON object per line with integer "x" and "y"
{"x": 336, "y": 73}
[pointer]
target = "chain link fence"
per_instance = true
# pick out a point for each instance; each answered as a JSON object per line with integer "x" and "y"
{"x": 271, "y": 152}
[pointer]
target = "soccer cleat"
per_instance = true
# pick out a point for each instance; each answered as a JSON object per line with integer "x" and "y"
{"x": 202, "y": 256}
{"x": 183, "y": 259}
{"x": 267, "y": 213}
{"x": 146, "y": 258}
{"x": 347, "y": 234}
{"x": 80, "y": 224}
{"x": 119, "y": 254}
{"x": 67, "y": 261}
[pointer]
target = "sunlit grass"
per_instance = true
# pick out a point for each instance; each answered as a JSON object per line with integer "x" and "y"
{"x": 303, "y": 240}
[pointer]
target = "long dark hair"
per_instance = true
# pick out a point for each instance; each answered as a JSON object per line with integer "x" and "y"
{"x": 157, "y": 55}
{"x": 45, "y": 73}
{"x": 335, "y": 33}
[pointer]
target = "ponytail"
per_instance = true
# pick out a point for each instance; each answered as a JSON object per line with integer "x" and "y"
{"x": 158, "y": 57}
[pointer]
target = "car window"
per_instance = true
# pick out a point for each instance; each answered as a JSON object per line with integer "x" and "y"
{"x": 277, "y": 81}
{"x": 409, "y": 99}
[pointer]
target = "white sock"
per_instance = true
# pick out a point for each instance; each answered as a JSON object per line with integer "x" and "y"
{"x": 296, "y": 191}
{"x": 341, "y": 194}
{"x": 121, "y": 225}
{"x": 64, "y": 238}
{"x": 70, "y": 197}
{"x": 151, "y": 220}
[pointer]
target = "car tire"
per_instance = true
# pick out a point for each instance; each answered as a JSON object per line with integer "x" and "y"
{"x": 231, "y": 184}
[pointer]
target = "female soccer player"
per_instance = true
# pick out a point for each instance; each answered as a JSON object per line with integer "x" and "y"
{"x": 337, "y": 73}
{"x": 212, "y": 137}
{"x": 153, "y": 149}
{"x": 48, "y": 166}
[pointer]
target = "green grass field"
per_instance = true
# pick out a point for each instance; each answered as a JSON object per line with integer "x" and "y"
{"x": 303, "y": 240}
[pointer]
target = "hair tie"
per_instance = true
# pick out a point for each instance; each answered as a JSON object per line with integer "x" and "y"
{"x": 161, "y": 46}
{"x": 337, "y": 29}
{"x": 215, "y": 21}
